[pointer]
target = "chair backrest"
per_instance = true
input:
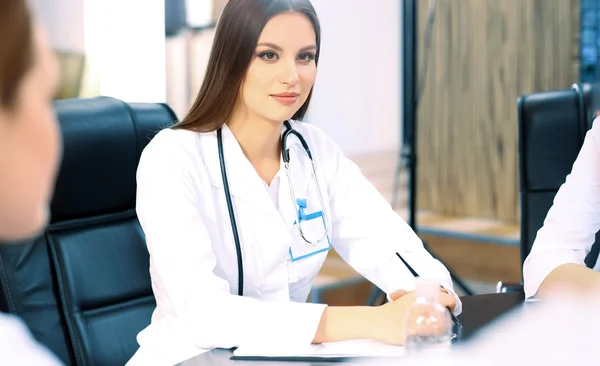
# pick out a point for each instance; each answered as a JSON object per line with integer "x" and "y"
{"x": 28, "y": 289}
{"x": 84, "y": 287}
{"x": 552, "y": 127}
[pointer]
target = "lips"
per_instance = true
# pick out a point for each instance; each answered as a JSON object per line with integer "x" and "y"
{"x": 286, "y": 98}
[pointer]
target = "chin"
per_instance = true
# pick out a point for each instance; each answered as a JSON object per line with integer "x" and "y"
{"x": 280, "y": 117}
{"x": 277, "y": 119}
{"x": 279, "y": 113}
{"x": 26, "y": 229}
{"x": 14, "y": 235}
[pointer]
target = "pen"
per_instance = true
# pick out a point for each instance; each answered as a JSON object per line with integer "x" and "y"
{"x": 414, "y": 273}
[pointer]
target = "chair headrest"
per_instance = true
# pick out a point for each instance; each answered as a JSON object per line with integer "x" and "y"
{"x": 550, "y": 131}
{"x": 102, "y": 142}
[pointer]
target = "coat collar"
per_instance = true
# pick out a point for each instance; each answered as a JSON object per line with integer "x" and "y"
{"x": 245, "y": 183}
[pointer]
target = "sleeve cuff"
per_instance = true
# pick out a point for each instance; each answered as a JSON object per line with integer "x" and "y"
{"x": 458, "y": 308}
{"x": 277, "y": 320}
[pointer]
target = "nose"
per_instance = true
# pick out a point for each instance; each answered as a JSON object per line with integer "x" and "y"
{"x": 289, "y": 74}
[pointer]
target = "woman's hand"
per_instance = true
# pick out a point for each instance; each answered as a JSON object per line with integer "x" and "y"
{"x": 383, "y": 323}
{"x": 388, "y": 324}
{"x": 449, "y": 300}
{"x": 390, "y": 317}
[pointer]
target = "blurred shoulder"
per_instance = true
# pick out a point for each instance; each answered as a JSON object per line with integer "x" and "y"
{"x": 172, "y": 140}
{"x": 17, "y": 345}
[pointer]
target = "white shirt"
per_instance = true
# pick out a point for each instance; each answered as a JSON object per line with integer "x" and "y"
{"x": 570, "y": 227}
{"x": 18, "y": 347}
{"x": 193, "y": 264}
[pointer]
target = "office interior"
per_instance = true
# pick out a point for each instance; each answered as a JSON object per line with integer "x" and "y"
{"x": 474, "y": 59}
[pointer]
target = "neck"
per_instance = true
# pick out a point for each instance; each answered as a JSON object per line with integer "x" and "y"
{"x": 259, "y": 139}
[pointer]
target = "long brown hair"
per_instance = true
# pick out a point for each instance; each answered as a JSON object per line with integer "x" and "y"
{"x": 235, "y": 41}
{"x": 16, "y": 48}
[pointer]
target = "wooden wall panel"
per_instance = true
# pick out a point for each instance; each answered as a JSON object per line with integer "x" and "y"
{"x": 483, "y": 55}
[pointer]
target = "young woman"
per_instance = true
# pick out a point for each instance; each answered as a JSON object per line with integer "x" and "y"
{"x": 557, "y": 258}
{"x": 238, "y": 219}
{"x": 29, "y": 153}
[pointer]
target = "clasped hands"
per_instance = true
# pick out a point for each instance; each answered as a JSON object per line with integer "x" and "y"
{"x": 391, "y": 315}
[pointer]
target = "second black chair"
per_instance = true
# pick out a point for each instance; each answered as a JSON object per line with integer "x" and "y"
{"x": 552, "y": 126}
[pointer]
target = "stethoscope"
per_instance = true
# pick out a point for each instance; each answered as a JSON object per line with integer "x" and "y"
{"x": 285, "y": 153}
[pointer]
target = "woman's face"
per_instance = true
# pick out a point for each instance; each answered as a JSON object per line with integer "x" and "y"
{"x": 29, "y": 148}
{"x": 282, "y": 71}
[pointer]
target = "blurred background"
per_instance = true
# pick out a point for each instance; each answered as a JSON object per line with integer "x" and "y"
{"x": 481, "y": 55}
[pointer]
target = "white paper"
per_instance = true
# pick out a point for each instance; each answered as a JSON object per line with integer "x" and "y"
{"x": 355, "y": 348}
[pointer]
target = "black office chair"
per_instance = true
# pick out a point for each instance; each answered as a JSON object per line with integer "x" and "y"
{"x": 552, "y": 126}
{"x": 28, "y": 289}
{"x": 83, "y": 288}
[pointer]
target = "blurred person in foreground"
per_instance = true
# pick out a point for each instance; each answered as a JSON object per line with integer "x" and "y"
{"x": 29, "y": 153}
{"x": 560, "y": 330}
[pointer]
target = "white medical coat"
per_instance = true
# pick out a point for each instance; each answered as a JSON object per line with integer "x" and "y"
{"x": 18, "y": 347}
{"x": 193, "y": 264}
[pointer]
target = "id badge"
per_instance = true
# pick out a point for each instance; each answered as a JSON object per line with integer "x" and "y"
{"x": 313, "y": 227}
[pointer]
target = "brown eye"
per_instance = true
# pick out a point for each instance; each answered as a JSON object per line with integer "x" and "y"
{"x": 268, "y": 56}
{"x": 306, "y": 57}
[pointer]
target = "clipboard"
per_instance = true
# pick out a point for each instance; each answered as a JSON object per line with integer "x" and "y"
{"x": 324, "y": 352}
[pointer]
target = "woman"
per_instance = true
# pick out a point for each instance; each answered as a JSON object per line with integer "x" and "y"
{"x": 29, "y": 153}
{"x": 559, "y": 252}
{"x": 261, "y": 72}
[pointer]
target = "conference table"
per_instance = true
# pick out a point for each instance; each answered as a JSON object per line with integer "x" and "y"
{"x": 478, "y": 311}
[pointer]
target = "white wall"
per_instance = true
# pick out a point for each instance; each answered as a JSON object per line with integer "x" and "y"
{"x": 356, "y": 100}
{"x": 63, "y": 20}
{"x": 123, "y": 40}
{"x": 357, "y": 96}
{"x": 125, "y": 45}
{"x": 199, "y": 12}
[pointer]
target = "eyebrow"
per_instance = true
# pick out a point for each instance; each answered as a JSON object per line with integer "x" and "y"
{"x": 276, "y": 47}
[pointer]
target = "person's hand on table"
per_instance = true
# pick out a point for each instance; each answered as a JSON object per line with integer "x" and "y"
{"x": 390, "y": 317}
{"x": 446, "y": 299}
{"x": 388, "y": 324}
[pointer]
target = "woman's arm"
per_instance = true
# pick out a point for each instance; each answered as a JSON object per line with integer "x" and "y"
{"x": 557, "y": 257}
{"x": 340, "y": 323}
{"x": 381, "y": 323}
{"x": 367, "y": 233}
{"x": 198, "y": 304}
{"x": 572, "y": 276}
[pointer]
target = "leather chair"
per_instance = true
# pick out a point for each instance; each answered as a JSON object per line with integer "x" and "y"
{"x": 552, "y": 127}
{"x": 28, "y": 289}
{"x": 83, "y": 287}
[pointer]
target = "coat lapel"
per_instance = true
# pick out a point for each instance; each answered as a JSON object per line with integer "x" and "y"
{"x": 243, "y": 180}
{"x": 245, "y": 183}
